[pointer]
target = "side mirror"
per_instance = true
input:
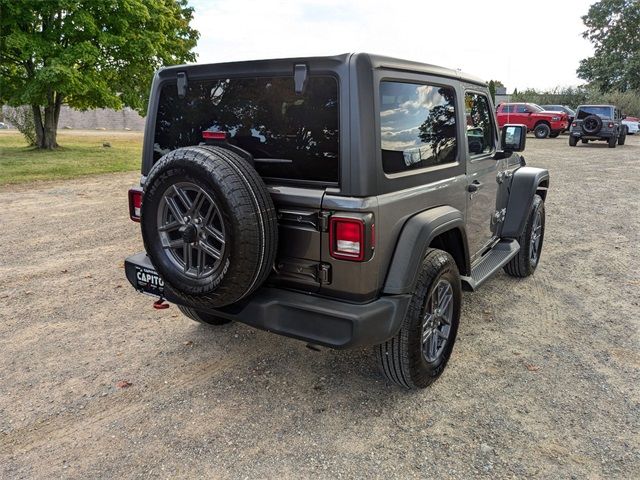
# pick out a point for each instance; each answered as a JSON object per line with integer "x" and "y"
{"x": 513, "y": 138}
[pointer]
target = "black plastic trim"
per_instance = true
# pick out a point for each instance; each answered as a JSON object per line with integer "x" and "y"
{"x": 415, "y": 238}
{"x": 313, "y": 319}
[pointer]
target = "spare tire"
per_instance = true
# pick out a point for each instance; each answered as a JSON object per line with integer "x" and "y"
{"x": 209, "y": 225}
{"x": 592, "y": 124}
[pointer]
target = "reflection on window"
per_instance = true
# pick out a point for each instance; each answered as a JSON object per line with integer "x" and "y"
{"x": 418, "y": 126}
{"x": 263, "y": 115}
{"x": 480, "y": 132}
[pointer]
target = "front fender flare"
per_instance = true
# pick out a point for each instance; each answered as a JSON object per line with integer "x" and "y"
{"x": 524, "y": 184}
{"x": 415, "y": 238}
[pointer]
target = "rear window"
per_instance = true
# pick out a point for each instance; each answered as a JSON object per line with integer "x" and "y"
{"x": 584, "y": 112}
{"x": 293, "y": 137}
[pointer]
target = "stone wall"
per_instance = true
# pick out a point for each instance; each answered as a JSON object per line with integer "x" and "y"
{"x": 101, "y": 118}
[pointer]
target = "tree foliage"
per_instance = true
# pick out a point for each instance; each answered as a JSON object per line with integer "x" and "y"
{"x": 612, "y": 27}
{"x": 628, "y": 101}
{"x": 87, "y": 53}
{"x": 493, "y": 85}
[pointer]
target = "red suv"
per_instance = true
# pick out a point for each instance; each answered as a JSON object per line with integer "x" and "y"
{"x": 543, "y": 123}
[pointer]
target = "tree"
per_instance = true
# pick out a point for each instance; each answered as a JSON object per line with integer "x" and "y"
{"x": 87, "y": 54}
{"x": 612, "y": 27}
{"x": 493, "y": 84}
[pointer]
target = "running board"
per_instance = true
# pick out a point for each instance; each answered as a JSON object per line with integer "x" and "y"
{"x": 492, "y": 261}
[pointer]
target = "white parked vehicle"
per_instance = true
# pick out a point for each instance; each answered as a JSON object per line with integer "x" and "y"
{"x": 632, "y": 124}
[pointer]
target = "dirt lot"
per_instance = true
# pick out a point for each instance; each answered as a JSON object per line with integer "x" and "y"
{"x": 543, "y": 381}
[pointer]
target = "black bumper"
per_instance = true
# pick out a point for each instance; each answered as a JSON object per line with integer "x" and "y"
{"x": 311, "y": 318}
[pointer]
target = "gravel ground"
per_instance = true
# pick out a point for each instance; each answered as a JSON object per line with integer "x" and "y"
{"x": 543, "y": 381}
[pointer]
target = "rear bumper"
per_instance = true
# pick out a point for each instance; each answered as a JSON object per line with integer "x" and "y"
{"x": 310, "y": 318}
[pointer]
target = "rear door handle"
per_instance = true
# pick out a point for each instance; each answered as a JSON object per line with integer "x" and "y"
{"x": 474, "y": 187}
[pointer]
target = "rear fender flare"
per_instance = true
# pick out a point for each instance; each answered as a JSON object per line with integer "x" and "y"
{"x": 524, "y": 184}
{"x": 415, "y": 238}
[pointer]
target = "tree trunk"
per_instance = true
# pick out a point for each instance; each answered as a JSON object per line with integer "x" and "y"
{"x": 37, "y": 120}
{"x": 50, "y": 128}
{"x": 47, "y": 128}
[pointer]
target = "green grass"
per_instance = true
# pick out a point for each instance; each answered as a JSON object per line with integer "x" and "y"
{"x": 80, "y": 153}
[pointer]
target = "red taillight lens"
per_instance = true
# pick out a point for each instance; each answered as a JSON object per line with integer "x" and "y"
{"x": 210, "y": 135}
{"x": 135, "y": 202}
{"x": 574, "y": 124}
{"x": 610, "y": 125}
{"x": 347, "y": 238}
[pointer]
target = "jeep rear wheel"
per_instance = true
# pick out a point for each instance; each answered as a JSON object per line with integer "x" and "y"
{"x": 202, "y": 317}
{"x": 531, "y": 240}
{"x": 209, "y": 225}
{"x": 612, "y": 141}
{"x": 416, "y": 356}
{"x": 573, "y": 141}
{"x": 542, "y": 130}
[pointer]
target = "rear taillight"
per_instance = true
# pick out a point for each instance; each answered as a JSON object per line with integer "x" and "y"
{"x": 574, "y": 124}
{"x": 610, "y": 124}
{"x": 135, "y": 202}
{"x": 347, "y": 239}
{"x": 211, "y": 135}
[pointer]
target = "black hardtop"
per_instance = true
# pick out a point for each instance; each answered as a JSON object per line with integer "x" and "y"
{"x": 595, "y": 105}
{"x": 332, "y": 62}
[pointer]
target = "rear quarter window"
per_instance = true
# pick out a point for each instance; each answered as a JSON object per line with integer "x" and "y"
{"x": 291, "y": 136}
{"x": 417, "y": 126}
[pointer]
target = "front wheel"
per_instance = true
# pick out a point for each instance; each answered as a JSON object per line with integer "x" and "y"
{"x": 542, "y": 130}
{"x": 416, "y": 356}
{"x": 526, "y": 261}
{"x": 622, "y": 137}
{"x": 585, "y": 141}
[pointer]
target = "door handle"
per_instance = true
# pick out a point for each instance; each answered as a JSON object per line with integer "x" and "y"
{"x": 474, "y": 187}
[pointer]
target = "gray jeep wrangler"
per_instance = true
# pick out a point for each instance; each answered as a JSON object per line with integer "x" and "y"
{"x": 345, "y": 201}
{"x": 598, "y": 122}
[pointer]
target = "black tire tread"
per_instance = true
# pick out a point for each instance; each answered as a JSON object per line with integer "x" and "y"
{"x": 250, "y": 195}
{"x": 519, "y": 266}
{"x": 202, "y": 317}
{"x": 393, "y": 355}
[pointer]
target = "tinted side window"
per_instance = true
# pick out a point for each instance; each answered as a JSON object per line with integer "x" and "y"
{"x": 480, "y": 130}
{"x": 417, "y": 126}
{"x": 293, "y": 137}
{"x": 521, "y": 109}
{"x": 507, "y": 109}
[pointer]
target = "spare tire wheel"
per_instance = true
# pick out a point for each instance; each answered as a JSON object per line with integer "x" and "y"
{"x": 592, "y": 124}
{"x": 209, "y": 225}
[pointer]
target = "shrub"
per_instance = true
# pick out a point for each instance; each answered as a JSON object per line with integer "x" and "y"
{"x": 22, "y": 119}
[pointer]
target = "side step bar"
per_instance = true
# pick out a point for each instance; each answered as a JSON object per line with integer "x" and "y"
{"x": 492, "y": 261}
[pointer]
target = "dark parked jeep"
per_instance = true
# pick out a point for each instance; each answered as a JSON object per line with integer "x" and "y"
{"x": 343, "y": 201}
{"x": 598, "y": 122}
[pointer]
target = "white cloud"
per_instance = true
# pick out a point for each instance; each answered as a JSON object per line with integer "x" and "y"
{"x": 523, "y": 44}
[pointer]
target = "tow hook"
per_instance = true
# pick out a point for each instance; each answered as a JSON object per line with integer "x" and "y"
{"x": 160, "y": 304}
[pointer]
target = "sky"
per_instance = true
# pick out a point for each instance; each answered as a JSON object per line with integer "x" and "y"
{"x": 521, "y": 43}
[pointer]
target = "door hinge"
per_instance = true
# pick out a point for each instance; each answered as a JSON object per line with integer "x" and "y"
{"x": 323, "y": 220}
{"x": 324, "y": 273}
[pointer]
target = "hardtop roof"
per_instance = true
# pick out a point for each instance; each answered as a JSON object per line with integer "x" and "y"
{"x": 374, "y": 60}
